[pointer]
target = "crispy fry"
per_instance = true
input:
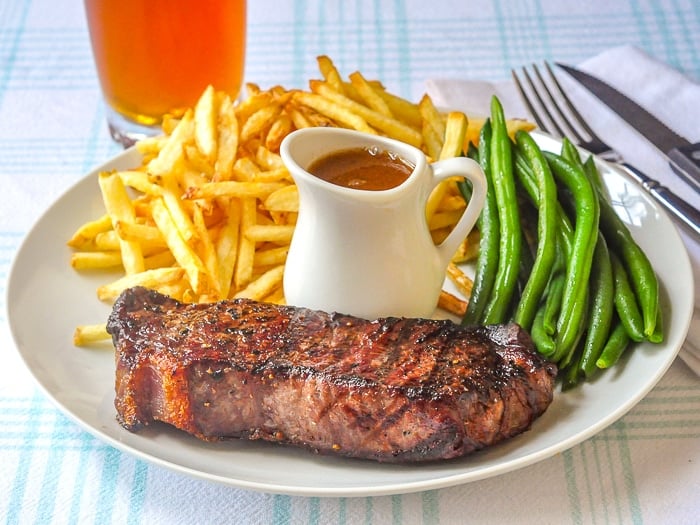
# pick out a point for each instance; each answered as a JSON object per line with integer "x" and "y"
{"x": 142, "y": 233}
{"x": 246, "y": 246}
{"x": 227, "y": 247}
{"x": 241, "y": 190}
{"x": 283, "y": 199}
{"x": 149, "y": 278}
{"x": 119, "y": 207}
{"x": 170, "y": 157}
{"x": 455, "y": 130}
{"x": 228, "y": 139}
{"x": 270, "y": 233}
{"x": 90, "y": 333}
{"x": 183, "y": 253}
{"x": 263, "y": 285}
{"x": 340, "y": 114}
{"x": 452, "y": 304}
{"x": 87, "y": 232}
{"x": 330, "y": 73}
{"x": 205, "y": 119}
{"x": 460, "y": 279}
{"x": 95, "y": 260}
{"x": 369, "y": 95}
{"x": 387, "y": 124}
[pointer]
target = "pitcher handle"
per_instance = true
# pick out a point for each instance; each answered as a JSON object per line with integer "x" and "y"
{"x": 470, "y": 170}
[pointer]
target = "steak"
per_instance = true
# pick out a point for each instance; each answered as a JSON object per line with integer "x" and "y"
{"x": 392, "y": 390}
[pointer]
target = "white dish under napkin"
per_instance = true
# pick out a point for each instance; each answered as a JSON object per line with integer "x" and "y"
{"x": 664, "y": 91}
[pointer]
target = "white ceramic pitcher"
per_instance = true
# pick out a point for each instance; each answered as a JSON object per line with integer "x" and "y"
{"x": 370, "y": 253}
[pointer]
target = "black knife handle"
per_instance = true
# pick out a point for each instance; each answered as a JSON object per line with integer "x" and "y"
{"x": 685, "y": 161}
{"x": 682, "y": 210}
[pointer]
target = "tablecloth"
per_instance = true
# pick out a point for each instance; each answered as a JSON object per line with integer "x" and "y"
{"x": 641, "y": 469}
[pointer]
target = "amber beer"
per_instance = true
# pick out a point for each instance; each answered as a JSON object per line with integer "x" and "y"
{"x": 157, "y": 56}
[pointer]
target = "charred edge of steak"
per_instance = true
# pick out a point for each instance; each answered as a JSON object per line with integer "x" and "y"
{"x": 393, "y": 390}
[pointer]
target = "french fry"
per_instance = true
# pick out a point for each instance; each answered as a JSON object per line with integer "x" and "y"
{"x": 468, "y": 249}
{"x": 263, "y": 285}
{"x": 432, "y": 116}
{"x": 141, "y": 233}
{"x": 88, "y": 334}
{"x": 452, "y": 304}
{"x": 270, "y": 233}
{"x": 207, "y": 252}
{"x": 369, "y": 95}
{"x": 227, "y": 247}
{"x": 171, "y": 156}
{"x": 95, "y": 260}
{"x": 330, "y": 73}
{"x": 271, "y": 256}
{"x": 183, "y": 253}
{"x": 205, "y": 120}
{"x": 279, "y": 129}
{"x": 283, "y": 199}
{"x": 228, "y": 139}
{"x": 241, "y": 190}
{"x": 243, "y": 272}
{"x": 139, "y": 180}
{"x": 259, "y": 122}
{"x": 454, "y": 131}
{"x": 460, "y": 279}
{"x": 379, "y": 121}
{"x": 401, "y": 108}
{"x": 119, "y": 207}
{"x": 268, "y": 159}
{"x": 149, "y": 278}
{"x": 87, "y": 232}
{"x": 342, "y": 115}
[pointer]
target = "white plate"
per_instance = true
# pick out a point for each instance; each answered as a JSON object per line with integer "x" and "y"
{"x": 46, "y": 299}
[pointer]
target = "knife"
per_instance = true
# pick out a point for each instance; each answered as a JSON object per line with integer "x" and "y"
{"x": 683, "y": 156}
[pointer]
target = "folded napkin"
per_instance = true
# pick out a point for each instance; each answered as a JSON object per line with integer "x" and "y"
{"x": 668, "y": 94}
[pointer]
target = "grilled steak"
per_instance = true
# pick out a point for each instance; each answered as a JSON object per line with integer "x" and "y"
{"x": 394, "y": 390}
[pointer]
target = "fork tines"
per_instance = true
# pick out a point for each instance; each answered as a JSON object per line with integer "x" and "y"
{"x": 549, "y": 105}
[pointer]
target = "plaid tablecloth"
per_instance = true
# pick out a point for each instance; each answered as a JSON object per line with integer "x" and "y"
{"x": 642, "y": 469}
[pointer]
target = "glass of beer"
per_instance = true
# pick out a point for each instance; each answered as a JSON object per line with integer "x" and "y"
{"x": 156, "y": 57}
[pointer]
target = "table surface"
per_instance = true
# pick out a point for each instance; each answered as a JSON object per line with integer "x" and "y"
{"x": 644, "y": 468}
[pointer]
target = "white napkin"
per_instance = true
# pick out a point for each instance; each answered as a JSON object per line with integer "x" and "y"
{"x": 668, "y": 94}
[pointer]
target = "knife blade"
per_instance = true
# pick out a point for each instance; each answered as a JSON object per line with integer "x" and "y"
{"x": 683, "y": 156}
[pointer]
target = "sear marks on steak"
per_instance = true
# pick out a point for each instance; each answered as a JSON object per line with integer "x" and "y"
{"x": 392, "y": 390}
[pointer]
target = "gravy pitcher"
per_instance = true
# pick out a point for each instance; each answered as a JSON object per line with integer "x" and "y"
{"x": 370, "y": 253}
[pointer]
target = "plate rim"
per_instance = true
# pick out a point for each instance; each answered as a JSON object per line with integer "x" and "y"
{"x": 464, "y": 476}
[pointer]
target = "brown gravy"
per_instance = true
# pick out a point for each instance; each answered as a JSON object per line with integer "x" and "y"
{"x": 362, "y": 169}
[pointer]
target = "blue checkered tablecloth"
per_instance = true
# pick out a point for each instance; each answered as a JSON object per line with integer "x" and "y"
{"x": 644, "y": 468}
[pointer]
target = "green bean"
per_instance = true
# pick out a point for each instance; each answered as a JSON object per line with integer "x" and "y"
{"x": 510, "y": 236}
{"x": 528, "y": 182}
{"x": 571, "y": 372}
{"x": 638, "y": 266}
{"x": 570, "y": 153}
{"x": 626, "y": 302}
{"x": 601, "y": 307}
{"x": 487, "y": 261}
{"x": 570, "y": 323}
{"x": 544, "y": 342}
{"x": 657, "y": 335}
{"x": 615, "y": 346}
{"x": 546, "y": 232}
{"x": 594, "y": 175}
{"x": 555, "y": 288}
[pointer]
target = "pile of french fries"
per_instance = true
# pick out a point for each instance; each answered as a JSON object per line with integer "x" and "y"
{"x": 210, "y": 212}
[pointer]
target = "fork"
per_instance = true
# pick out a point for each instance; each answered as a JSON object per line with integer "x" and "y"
{"x": 555, "y": 114}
